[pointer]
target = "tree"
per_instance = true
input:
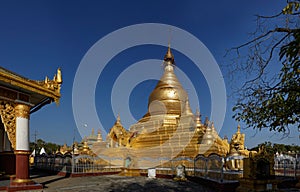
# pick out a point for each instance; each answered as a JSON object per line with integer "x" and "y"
{"x": 49, "y": 147}
{"x": 40, "y": 143}
{"x": 280, "y": 148}
{"x": 266, "y": 100}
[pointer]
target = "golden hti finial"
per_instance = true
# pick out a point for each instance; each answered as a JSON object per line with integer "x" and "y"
{"x": 169, "y": 57}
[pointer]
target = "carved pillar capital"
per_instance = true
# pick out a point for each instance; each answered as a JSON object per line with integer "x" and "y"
{"x": 22, "y": 110}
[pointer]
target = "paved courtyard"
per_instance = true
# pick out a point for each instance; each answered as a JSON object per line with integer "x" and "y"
{"x": 116, "y": 183}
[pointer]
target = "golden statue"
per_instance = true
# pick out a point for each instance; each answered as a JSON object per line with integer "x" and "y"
{"x": 237, "y": 143}
{"x": 237, "y": 151}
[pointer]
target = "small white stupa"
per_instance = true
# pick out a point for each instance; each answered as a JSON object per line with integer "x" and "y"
{"x": 43, "y": 151}
{"x": 33, "y": 153}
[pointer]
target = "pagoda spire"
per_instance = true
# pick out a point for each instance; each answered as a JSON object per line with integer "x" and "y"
{"x": 168, "y": 92}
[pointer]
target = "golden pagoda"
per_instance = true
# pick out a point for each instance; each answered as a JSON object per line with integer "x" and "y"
{"x": 167, "y": 131}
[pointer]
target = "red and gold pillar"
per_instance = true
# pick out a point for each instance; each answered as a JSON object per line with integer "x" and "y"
{"x": 22, "y": 151}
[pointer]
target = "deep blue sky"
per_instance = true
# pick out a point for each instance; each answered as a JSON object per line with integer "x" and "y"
{"x": 37, "y": 37}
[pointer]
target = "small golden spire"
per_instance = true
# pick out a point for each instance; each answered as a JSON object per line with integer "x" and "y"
{"x": 206, "y": 122}
{"x": 239, "y": 128}
{"x": 198, "y": 113}
{"x": 99, "y": 136}
{"x": 212, "y": 125}
{"x": 198, "y": 118}
{"x": 58, "y": 78}
{"x": 188, "y": 110}
{"x": 46, "y": 79}
{"x": 169, "y": 57}
{"x": 85, "y": 146}
{"x": 118, "y": 118}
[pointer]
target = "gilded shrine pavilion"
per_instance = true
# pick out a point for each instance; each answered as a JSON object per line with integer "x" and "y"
{"x": 19, "y": 98}
{"x": 169, "y": 130}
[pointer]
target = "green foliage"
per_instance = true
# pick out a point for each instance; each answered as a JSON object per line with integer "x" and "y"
{"x": 280, "y": 148}
{"x": 276, "y": 107}
{"x": 266, "y": 145}
{"x": 48, "y": 146}
{"x": 275, "y": 104}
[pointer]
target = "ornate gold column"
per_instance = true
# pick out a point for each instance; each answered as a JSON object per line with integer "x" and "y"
{"x": 22, "y": 151}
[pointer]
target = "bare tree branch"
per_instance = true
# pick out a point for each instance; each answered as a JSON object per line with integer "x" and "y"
{"x": 267, "y": 61}
{"x": 270, "y": 100}
{"x": 269, "y": 17}
{"x": 280, "y": 30}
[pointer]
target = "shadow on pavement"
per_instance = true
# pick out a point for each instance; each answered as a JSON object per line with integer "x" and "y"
{"x": 46, "y": 177}
{"x": 156, "y": 186}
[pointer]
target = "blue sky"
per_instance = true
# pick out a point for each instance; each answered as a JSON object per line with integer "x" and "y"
{"x": 37, "y": 37}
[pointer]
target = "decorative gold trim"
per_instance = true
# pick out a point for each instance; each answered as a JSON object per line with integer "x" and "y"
{"x": 22, "y": 110}
{"x": 22, "y": 181}
{"x": 22, "y": 152}
{"x": 8, "y": 117}
{"x": 48, "y": 88}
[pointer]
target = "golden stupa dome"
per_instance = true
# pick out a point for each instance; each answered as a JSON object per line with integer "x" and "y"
{"x": 168, "y": 97}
